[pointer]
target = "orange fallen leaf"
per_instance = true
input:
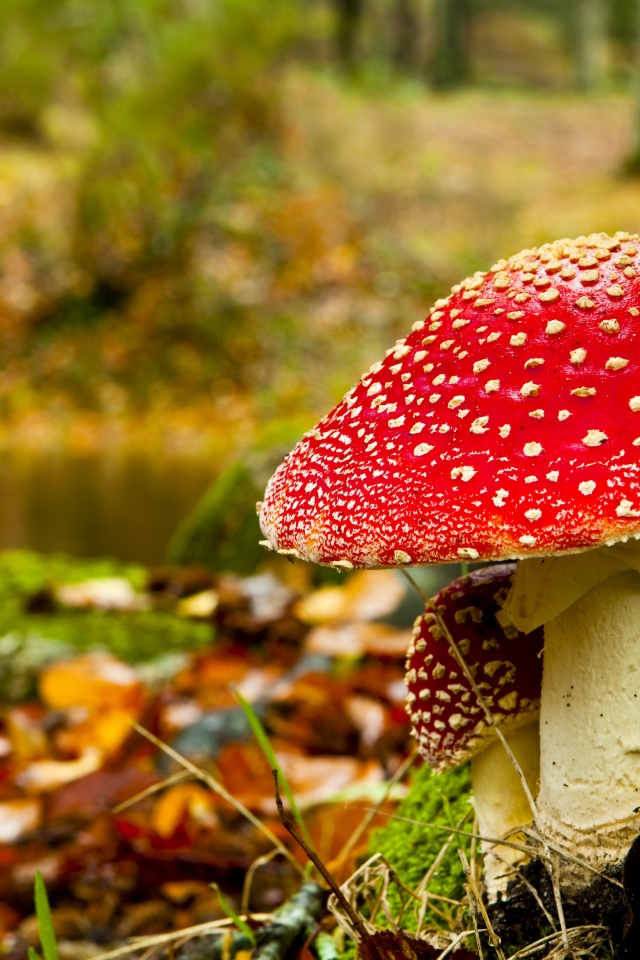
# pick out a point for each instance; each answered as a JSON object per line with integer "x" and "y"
{"x": 25, "y": 734}
{"x": 92, "y": 680}
{"x": 367, "y": 595}
{"x": 104, "y": 730}
{"x": 178, "y": 803}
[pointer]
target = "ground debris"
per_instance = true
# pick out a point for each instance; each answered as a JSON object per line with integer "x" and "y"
{"x": 519, "y": 920}
{"x": 294, "y": 922}
{"x": 128, "y": 837}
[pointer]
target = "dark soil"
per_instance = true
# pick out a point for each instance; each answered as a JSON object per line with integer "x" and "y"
{"x": 519, "y": 920}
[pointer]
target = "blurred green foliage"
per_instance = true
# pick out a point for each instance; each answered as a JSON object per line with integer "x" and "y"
{"x": 164, "y": 112}
{"x": 197, "y": 205}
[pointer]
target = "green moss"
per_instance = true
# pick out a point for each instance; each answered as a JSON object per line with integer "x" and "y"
{"x": 24, "y": 572}
{"x": 411, "y": 848}
{"x": 29, "y": 639}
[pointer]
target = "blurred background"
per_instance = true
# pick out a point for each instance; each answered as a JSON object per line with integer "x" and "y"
{"x": 214, "y": 214}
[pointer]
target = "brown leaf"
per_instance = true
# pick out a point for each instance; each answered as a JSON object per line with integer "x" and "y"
{"x": 98, "y": 792}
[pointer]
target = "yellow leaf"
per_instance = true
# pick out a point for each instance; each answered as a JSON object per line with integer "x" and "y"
{"x": 178, "y": 803}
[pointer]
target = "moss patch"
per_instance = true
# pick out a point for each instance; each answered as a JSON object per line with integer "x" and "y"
{"x": 411, "y": 848}
{"x": 29, "y": 638}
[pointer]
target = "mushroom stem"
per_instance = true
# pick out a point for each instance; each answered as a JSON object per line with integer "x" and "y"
{"x": 501, "y": 803}
{"x": 590, "y": 725}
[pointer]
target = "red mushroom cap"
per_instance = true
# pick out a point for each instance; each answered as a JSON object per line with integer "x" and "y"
{"x": 507, "y": 424}
{"x": 448, "y": 722}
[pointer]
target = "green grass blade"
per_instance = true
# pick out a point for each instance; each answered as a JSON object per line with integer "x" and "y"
{"x": 242, "y": 926}
{"x": 262, "y": 738}
{"x": 45, "y": 922}
{"x": 32, "y": 955}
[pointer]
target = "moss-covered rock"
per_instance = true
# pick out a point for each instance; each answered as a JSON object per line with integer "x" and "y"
{"x": 222, "y": 531}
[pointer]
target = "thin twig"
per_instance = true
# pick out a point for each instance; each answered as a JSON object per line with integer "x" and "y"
{"x": 365, "y": 942}
{"x": 156, "y": 940}
{"x": 248, "y": 879}
{"x": 423, "y": 887}
{"x": 452, "y": 946}
{"x": 576, "y": 934}
{"x": 572, "y": 859}
{"x": 473, "y": 910}
{"x": 525, "y": 848}
{"x": 536, "y": 896}
{"x": 171, "y": 781}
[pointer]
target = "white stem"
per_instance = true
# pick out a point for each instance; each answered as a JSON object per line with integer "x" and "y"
{"x": 501, "y": 802}
{"x": 590, "y": 724}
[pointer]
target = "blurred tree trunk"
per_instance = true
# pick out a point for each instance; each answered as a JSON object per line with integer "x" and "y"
{"x": 451, "y": 43}
{"x": 589, "y": 43}
{"x": 406, "y": 27}
{"x": 348, "y": 22}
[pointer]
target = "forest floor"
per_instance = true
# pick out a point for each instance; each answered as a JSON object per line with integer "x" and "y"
{"x": 131, "y": 776}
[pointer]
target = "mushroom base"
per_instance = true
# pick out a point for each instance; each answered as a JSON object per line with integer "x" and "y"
{"x": 600, "y": 849}
{"x": 590, "y": 727}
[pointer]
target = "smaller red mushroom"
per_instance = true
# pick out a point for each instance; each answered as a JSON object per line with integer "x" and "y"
{"x": 450, "y": 724}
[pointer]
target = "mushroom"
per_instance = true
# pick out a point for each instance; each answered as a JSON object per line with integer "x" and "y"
{"x": 506, "y": 425}
{"x": 449, "y": 723}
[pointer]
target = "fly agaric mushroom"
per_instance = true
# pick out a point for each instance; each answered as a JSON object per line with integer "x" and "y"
{"x": 507, "y": 426}
{"x": 449, "y": 723}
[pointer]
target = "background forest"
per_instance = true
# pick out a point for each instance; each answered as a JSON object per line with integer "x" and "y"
{"x": 215, "y": 214}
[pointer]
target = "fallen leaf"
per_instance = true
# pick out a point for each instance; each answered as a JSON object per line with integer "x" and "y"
{"x": 98, "y": 792}
{"x": 104, "y": 730}
{"x": 175, "y": 805}
{"x": 44, "y": 775}
{"x": 19, "y": 817}
{"x": 26, "y": 734}
{"x": 368, "y": 715}
{"x": 367, "y": 595}
{"x": 94, "y": 680}
{"x": 106, "y": 593}
{"x": 200, "y": 606}
{"x": 358, "y": 640}
{"x": 317, "y": 779}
